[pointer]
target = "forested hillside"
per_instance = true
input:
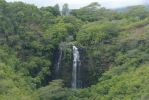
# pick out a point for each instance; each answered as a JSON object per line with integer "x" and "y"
{"x": 40, "y": 47}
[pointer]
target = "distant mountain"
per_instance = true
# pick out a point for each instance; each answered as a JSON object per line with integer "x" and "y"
{"x": 123, "y": 9}
{"x": 147, "y": 6}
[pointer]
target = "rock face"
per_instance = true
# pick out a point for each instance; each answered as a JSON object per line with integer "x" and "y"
{"x": 58, "y": 61}
{"x": 77, "y": 66}
{"x": 63, "y": 64}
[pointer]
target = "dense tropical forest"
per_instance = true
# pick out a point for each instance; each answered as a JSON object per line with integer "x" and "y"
{"x": 39, "y": 47}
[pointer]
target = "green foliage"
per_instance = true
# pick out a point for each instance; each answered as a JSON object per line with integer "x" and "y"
{"x": 113, "y": 50}
{"x": 94, "y": 33}
{"x": 93, "y": 12}
{"x": 54, "y": 91}
{"x": 128, "y": 84}
{"x": 139, "y": 12}
{"x": 12, "y": 85}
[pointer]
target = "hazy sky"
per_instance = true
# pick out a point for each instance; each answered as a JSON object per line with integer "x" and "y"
{"x": 81, "y": 3}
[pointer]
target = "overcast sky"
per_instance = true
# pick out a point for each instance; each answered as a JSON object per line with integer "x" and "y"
{"x": 81, "y": 3}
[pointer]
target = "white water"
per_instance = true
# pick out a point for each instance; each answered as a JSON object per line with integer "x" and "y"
{"x": 76, "y": 60}
{"x": 59, "y": 61}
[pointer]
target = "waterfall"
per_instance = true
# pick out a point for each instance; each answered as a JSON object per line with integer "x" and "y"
{"x": 76, "y": 60}
{"x": 59, "y": 61}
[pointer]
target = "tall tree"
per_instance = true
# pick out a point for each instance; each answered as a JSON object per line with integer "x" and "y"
{"x": 65, "y": 9}
{"x": 56, "y": 10}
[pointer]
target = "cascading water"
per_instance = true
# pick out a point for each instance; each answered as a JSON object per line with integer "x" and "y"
{"x": 59, "y": 61}
{"x": 76, "y": 61}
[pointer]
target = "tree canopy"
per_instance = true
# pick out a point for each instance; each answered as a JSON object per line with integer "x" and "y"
{"x": 113, "y": 47}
